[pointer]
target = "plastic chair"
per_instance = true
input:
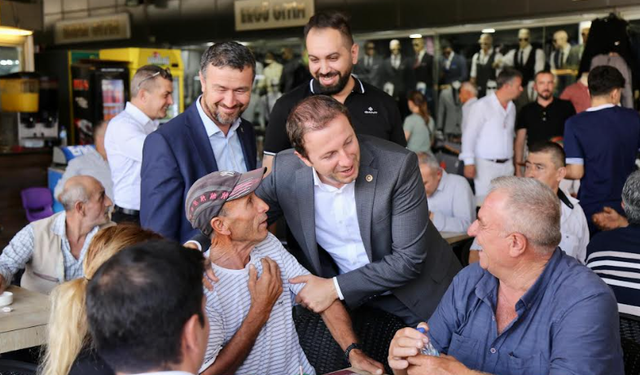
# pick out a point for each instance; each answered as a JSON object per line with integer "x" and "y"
{"x": 37, "y": 203}
{"x": 630, "y": 336}
{"x": 375, "y": 329}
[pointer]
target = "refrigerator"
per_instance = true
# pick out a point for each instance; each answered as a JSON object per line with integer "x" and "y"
{"x": 100, "y": 89}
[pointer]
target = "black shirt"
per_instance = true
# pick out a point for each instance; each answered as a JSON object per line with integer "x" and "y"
{"x": 89, "y": 362}
{"x": 372, "y": 112}
{"x": 544, "y": 123}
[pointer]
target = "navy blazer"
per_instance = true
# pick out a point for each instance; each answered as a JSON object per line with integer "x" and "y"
{"x": 173, "y": 158}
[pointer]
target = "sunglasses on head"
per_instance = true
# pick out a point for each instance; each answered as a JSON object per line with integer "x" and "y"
{"x": 164, "y": 73}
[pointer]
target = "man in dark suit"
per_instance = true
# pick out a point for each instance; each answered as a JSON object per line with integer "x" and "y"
{"x": 209, "y": 136}
{"x": 368, "y": 66}
{"x": 398, "y": 76}
{"x": 357, "y": 210}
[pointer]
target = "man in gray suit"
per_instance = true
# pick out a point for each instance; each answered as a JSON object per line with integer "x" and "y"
{"x": 358, "y": 214}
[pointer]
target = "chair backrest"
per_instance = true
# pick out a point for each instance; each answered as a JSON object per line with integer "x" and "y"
{"x": 630, "y": 336}
{"x": 11, "y": 367}
{"x": 37, "y": 202}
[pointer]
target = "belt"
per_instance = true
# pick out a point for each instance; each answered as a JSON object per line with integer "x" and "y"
{"x": 126, "y": 211}
{"x": 499, "y": 161}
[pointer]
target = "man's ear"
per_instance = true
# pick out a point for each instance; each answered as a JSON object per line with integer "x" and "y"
{"x": 561, "y": 173}
{"x": 192, "y": 344}
{"x": 355, "y": 48}
{"x": 219, "y": 226}
{"x": 78, "y": 207}
{"x": 304, "y": 160}
{"x": 517, "y": 244}
{"x": 202, "y": 83}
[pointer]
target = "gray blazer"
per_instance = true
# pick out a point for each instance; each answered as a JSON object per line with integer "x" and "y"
{"x": 408, "y": 256}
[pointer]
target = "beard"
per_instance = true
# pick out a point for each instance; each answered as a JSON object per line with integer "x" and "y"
{"x": 338, "y": 86}
{"x": 222, "y": 118}
{"x": 545, "y": 95}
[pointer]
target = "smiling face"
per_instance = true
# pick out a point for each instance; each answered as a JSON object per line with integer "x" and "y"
{"x": 157, "y": 98}
{"x": 488, "y": 231}
{"x": 331, "y": 59}
{"x": 225, "y": 93}
{"x": 334, "y": 152}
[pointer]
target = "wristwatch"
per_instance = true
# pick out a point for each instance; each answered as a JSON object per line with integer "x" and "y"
{"x": 349, "y": 349}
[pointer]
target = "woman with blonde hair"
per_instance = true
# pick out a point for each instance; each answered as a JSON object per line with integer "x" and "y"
{"x": 419, "y": 127}
{"x": 68, "y": 350}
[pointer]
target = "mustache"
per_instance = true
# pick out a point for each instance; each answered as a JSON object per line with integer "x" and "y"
{"x": 328, "y": 75}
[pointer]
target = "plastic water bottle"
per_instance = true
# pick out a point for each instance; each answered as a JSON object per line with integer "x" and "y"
{"x": 63, "y": 136}
{"x": 428, "y": 349}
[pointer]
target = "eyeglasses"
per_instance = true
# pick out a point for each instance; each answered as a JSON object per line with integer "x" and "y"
{"x": 523, "y": 39}
{"x": 164, "y": 73}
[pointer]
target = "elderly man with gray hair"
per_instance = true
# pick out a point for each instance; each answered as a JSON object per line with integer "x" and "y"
{"x": 452, "y": 206}
{"x": 52, "y": 250}
{"x": 613, "y": 255}
{"x": 525, "y": 308}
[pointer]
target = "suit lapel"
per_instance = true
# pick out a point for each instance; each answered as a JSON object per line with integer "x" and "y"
{"x": 245, "y": 141}
{"x": 200, "y": 139}
{"x": 365, "y": 191}
{"x": 306, "y": 212}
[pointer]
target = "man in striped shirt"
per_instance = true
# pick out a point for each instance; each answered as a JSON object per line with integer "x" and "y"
{"x": 250, "y": 309}
{"x": 615, "y": 255}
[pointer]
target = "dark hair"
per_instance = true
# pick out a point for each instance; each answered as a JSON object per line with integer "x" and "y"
{"x": 444, "y": 43}
{"x": 604, "y": 79}
{"x": 147, "y": 75}
{"x": 311, "y": 114}
{"x": 506, "y": 75}
{"x": 231, "y": 54}
{"x": 555, "y": 150}
{"x": 330, "y": 20}
{"x": 535, "y": 77}
{"x": 420, "y": 101}
{"x": 139, "y": 301}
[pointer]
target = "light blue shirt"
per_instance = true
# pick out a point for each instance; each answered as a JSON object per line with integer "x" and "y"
{"x": 452, "y": 204}
{"x": 226, "y": 149}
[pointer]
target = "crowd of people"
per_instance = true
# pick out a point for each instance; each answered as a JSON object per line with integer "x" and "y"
{"x": 168, "y": 265}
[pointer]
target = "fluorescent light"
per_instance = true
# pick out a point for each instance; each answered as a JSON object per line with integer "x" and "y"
{"x": 488, "y": 31}
{"x": 4, "y": 30}
{"x": 415, "y": 36}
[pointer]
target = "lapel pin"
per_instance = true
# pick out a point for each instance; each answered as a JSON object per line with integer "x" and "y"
{"x": 369, "y": 178}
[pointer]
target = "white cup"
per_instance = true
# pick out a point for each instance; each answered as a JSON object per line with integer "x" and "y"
{"x": 6, "y": 299}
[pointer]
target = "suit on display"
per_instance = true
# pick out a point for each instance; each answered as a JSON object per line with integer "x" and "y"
{"x": 174, "y": 157}
{"x": 368, "y": 67}
{"x": 407, "y": 255}
{"x": 483, "y": 66}
{"x": 528, "y": 60}
{"x": 449, "y": 112}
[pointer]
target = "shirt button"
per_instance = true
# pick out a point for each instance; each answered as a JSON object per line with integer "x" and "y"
{"x": 493, "y": 350}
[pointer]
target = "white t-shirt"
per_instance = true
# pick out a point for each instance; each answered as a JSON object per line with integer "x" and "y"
{"x": 276, "y": 350}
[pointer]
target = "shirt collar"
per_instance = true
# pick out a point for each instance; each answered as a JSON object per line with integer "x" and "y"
{"x": 358, "y": 88}
{"x": 603, "y": 106}
{"x": 137, "y": 114}
{"x": 443, "y": 181}
{"x": 527, "y": 48}
{"x": 566, "y": 49}
{"x": 59, "y": 226}
{"x": 496, "y": 102}
{"x": 211, "y": 126}
{"x": 325, "y": 187}
{"x": 482, "y": 54}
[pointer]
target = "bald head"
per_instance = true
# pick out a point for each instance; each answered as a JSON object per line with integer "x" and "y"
{"x": 78, "y": 189}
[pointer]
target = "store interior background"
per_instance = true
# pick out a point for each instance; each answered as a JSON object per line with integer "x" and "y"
{"x": 191, "y": 25}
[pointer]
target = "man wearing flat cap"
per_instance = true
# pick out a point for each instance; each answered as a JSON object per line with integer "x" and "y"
{"x": 251, "y": 326}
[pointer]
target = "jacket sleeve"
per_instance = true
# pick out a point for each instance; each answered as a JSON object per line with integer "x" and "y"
{"x": 268, "y": 193}
{"x": 404, "y": 262}
{"x": 162, "y": 188}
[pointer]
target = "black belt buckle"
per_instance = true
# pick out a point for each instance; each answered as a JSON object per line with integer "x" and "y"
{"x": 500, "y": 161}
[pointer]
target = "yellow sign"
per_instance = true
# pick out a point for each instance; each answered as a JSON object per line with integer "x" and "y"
{"x": 93, "y": 29}
{"x": 272, "y": 14}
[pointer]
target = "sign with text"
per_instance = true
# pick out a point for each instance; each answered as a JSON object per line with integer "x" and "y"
{"x": 272, "y": 14}
{"x": 93, "y": 29}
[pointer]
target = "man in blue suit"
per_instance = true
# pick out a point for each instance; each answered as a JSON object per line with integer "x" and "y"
{"x": 209, "y": 136}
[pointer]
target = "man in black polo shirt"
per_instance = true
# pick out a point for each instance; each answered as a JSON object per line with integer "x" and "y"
{"x": 542, "y": 120}
{"x": 332, "y": 54}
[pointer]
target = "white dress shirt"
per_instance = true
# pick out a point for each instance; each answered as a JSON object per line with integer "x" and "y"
{"x": 123, "y": 142}
{"x": 574, "y": 230}
{"x": 489, "y": 133}
{"x": 565, "y": 53}
{"x": 226, "y": 148}
{"x": 453, "y": 204}
{"x": 337, "y": 229}
{"x": 466, "y": 110}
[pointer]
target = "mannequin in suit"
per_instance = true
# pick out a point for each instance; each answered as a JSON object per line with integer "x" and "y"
{"x": 527, "y": 60}
{"x": 453, "y": 66}
{"x": 423, "y": 71}
{"x": 483, "y": 66}
{"x": 398, "y": 76}
{"x": 563, "y": 65}
{"x": 368, "y": 66}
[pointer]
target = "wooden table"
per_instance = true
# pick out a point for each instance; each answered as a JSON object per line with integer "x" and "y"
{"x": 26, "y": 325}
{"x": 454, "y": 237}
